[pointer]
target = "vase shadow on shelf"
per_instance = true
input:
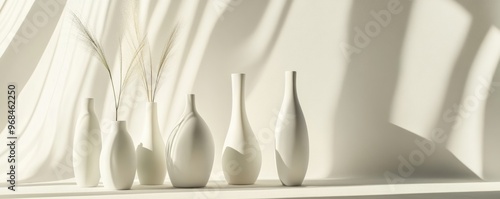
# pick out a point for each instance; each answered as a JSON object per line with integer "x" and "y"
{"x": 136, "y": 189}
{"x": 151, "y": 187}
{"x": 258, "y": 185}
{"x": 378, "y": 181}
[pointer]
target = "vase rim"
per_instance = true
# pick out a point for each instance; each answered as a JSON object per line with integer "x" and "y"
{"x": 88, "y": 101}
{"x": 291, "y": 75}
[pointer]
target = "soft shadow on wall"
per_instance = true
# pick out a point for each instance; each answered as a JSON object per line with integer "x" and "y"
{"x": 485, "y": 15}
{"x": 365, "y": 143}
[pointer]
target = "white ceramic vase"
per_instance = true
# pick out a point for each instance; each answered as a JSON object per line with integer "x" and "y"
{"x": 87, "y": 146}
{"x": 151, "y": 165}
{"x": 190, "y": 150}
{"x": 118, "y": 160}
{"x": 241, "y": 156}
{"x": 292, "y": 142}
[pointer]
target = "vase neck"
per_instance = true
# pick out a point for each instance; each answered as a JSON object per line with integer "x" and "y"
{"x": 119, "y": 126}
{"x": 151, "y": 109}
{"x": 88, "y": 105}
{"x": 290, "y": 84}
{"x": 190, "y": 104}
{"x": 238, "y": 93}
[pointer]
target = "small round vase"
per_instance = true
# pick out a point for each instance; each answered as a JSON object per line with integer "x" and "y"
{"x": 87, "y": 146}
{"x": 151, "y": 165}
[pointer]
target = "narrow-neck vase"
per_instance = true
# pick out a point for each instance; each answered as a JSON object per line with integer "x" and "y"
{"x": 151, "y": 165}
{"x": 241, "y": 156}
{"x": 292, "y": 142}
{"x": 87, "y": 146}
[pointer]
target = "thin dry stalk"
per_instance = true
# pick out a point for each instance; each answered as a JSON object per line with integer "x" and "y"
{"x": 97, "y": 49}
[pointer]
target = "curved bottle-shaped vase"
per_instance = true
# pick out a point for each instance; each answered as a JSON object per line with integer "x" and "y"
{"x": 151, "y": 165}
{"x": 292, "y": 142}
{"x": 241, "y": 156}
{"x": 118, "y": 160}
{"x": 87, "y": 146}
{"x": 190, "y": 150}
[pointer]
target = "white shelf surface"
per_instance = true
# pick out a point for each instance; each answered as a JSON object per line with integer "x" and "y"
{"x": 332, "y": 188}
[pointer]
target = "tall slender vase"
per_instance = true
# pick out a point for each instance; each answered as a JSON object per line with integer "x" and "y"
{"x": 190, "y": 150}
{"x": 87, "y": 146}
{"x": 241, "y": 157}
{"x": 118, "y": 160}
{"x": 292, "y": 142}
{"x": 151, "y": 165}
